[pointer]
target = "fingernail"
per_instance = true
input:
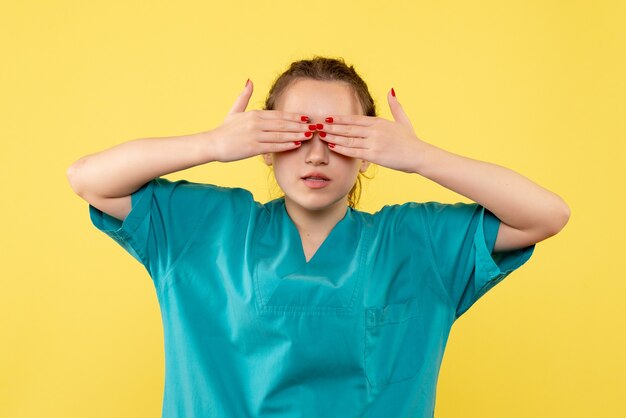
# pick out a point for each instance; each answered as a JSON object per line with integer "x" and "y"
{"x": 297, "y": 143}
{"x": 312, "y": 127}
{"x": 320, "y": 126}
{"x": 393, "y": 93}
{"x": 304, "y": 118}
{"x": 247, "y": 82}
{"x": 322, "y": 134}
{"x": 329, "y": 119}
{"x": 331, "y": 145}
{"x": 308, "y": 134}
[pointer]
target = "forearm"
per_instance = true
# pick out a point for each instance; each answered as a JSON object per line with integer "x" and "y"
{"x": 513, "y": 198}
{"x": 124, "y": 168}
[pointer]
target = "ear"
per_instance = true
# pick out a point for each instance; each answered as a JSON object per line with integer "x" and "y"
{"x": 267, "y": 157}
{"x": 364, "y": 166}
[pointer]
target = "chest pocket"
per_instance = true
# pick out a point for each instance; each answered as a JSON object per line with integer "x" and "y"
{"x": 394, "y": 340}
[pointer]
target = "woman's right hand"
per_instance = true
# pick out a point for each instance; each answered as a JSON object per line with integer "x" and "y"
{"x": 246, "y": 134}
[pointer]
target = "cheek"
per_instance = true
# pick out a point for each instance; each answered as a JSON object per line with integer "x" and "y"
{"x": 283, "y": 165}
{"x": 349, "y": 164}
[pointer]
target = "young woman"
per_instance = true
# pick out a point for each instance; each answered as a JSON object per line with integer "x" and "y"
{"x": 304, "y": 306}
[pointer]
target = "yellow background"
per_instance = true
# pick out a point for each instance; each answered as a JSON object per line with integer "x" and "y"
{"x": 537, "y": 86}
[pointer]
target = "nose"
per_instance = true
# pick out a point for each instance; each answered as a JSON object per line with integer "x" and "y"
{"x": 317, "y": 151}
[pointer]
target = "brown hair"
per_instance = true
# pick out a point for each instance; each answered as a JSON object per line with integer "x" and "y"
{"x": 325, "y": 69}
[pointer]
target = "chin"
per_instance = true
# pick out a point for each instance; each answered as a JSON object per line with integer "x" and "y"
{"x": 318, "y": 204}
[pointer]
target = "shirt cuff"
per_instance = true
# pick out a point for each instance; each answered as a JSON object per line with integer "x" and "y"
{"x": 492, "y": 267}
{"x": 131, "y": 234}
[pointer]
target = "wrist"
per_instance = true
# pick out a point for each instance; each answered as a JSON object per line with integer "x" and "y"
{"x": 206, "y": 146}
{"x": 423, "y": 157}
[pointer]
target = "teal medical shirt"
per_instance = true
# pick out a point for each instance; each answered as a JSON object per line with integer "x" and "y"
{"x": 253, "y": 330}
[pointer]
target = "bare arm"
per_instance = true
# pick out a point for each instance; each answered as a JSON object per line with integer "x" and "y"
{"x": 123, "y": 169}
{"x": 107, "y": 179}
{"x": 529, "y": 212}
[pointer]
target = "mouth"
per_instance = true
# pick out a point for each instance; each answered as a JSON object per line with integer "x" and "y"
{"x": 315, "y": 177}
{"x": 315, "y": 180}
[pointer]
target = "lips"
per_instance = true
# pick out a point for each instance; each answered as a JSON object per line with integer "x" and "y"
{"x": 315, "y": 180}
{"x": 315, "y": 176}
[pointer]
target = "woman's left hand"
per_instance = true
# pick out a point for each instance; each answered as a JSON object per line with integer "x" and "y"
{"x": 380, "y": 141}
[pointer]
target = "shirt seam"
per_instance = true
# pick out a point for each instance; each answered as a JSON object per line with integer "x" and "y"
{"x": 433, "y": 260}
{"x": 162, "y": 282}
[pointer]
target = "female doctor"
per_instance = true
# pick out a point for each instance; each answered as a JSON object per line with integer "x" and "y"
{"x": 304, "y": 306}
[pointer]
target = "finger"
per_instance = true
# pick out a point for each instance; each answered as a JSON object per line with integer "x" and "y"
{"x": 348, "y": 152}
{"x": 282, "y": 136}
{"x": 279, "y": 114}
{"x": 282, "y": 125}
{"x": 397, "y": 111}
{"x": 360, "y": 120}
{"x": 344, "y": 141}
{"x": 280, "y": 147}
{"x": 346, "y": 130}
{"x": 242, "y": 101}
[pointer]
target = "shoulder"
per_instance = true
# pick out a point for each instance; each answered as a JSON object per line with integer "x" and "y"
{"x": 394, "y": 218}
{"x": 185, "y": 189}
{"x": 191, "y": 187}
{"x": 422, "y": 214}
{"x": 409, "y": 209}
{"x": 209, "y": 199}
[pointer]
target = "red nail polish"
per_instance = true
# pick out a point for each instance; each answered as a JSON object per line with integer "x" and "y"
{"x": 312, "y": 127}
{"x": 296, "y": 143}
{"x": 308, "y": 134}
{"x": 322, "y": 134}
{"x": 304, "y": 118}
{"x": 393, "y": 93}
{"x": 329, "y": 120}
{"x": 331, "y": 145}
{"x": 320, "y": 126}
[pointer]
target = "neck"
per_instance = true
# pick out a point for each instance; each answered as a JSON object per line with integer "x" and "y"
{"x": 316, "y": 222}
